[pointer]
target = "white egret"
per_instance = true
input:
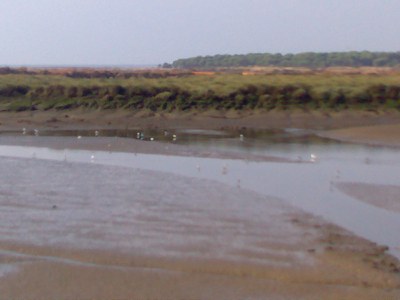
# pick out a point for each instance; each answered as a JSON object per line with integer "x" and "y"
{"x": 313, "y": 157}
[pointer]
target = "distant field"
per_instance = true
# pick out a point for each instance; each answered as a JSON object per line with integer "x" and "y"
{"x": 174, "y": 90}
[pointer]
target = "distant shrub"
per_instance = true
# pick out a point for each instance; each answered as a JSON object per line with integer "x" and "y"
{"x": 71, "y": 92}
{"x": 55, "y": 91}
{"x": 14, "y": 91}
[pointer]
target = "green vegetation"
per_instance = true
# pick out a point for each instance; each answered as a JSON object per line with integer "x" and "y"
{"x": 20, "y": 92}
{"x": 307, "y": 59}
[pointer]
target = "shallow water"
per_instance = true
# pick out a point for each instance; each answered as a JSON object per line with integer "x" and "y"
{"x": 309, "y": 185}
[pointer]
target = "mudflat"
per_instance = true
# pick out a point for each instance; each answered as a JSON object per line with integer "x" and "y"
{"x": 349, "y": 270}
{"x": 273, "y": 251}
{"x": 187, "y": 239}
{"x": 210, "y": 119}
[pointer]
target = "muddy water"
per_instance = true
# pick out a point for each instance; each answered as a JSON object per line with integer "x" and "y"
{"x": 309, "y": 184}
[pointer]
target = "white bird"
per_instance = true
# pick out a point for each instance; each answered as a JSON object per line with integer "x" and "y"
{"x": 24, "y": 131}
{"x": 174, "y": 137}
{"x": 92, "y": 158}
{"x": 241, "y": 137}
{"x": 313, "y": 157}
{"x": 151, "y": 139}
{"x": 36, "y": 132}
{"x": 79, "y": 137}
{"x": 96, "y": 133}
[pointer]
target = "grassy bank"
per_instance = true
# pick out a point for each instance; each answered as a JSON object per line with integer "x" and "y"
{"x": 19, "y": 92}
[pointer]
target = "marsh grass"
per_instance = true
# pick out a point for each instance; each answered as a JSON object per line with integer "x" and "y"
{"x": 220, "y": 91}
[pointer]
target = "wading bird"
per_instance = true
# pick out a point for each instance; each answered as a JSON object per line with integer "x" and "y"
{"x": 313, "y": 157}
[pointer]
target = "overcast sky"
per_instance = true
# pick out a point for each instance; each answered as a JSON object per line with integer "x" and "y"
{"x": 118, "y": 32}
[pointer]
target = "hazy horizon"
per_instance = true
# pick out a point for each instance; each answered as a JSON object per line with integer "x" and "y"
{"x": 126, "y": 33}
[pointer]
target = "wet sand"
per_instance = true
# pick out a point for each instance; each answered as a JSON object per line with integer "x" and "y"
{"x": 338, "y": 274}
{"x": 317, "y": 260}
{"x": 338, "y": 266}
{"x": 382, "y": 196}
{"x": 378, "y": 135}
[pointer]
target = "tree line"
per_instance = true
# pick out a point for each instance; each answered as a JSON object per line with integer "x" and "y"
{"x": 306, "y": 59}
{"x": 94, "y": 73}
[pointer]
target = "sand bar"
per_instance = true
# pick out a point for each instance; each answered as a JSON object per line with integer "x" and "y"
{"x": 382, "y": 196}
{"x": 378, "y": 135}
